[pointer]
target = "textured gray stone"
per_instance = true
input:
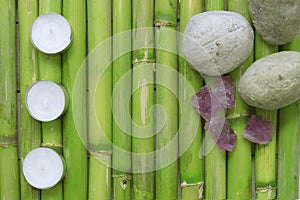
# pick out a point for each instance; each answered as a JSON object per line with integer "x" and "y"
{"x": 277, "y": 21}
{"x": 272, "y": 82}
{"x": 217, "y": 42}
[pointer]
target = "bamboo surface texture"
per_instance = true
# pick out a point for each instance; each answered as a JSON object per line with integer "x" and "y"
{"x": 215, "y": 159}
{"x": 99, "y": 29}
{"x": 265, "y": 155}
{"x": 129, "y": 131}
{"x": 30, "y": 129}
{"x": 9, "y": 175}
{"x": 191, "y": 176}
{"x": 288, "y": 144}
{"x": 121, "y": 66}
{"x": 239, "y": 166}
{"x": 50, "y": 69}
{"x": 142, "y": 99}
{"x": 165, "y": 38}
{"x": 74, "y": 151}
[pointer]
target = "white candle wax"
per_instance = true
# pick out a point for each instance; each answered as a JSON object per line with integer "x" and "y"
{"x": 46, "y": 100}
{"x": 43, "y": 168}
{"x": 51, "y": 33}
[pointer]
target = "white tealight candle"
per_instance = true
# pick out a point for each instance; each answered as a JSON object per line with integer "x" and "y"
{"x": 43, "y": 168}
{"x": 46, "y": 100}
{"x": 51, "y": 33}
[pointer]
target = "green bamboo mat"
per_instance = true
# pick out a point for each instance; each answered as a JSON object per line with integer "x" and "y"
{"x": 129, "y": 131}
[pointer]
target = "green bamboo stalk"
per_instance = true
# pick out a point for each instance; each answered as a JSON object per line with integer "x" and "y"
{"x": 30, "y": 129}
{"x": 9, "y": 171}
{"x": 239, "y": 167}
{"x": 215, "y": 159}
{"x": 50, "y": 69}
{"x": 190, "y": 163}
{"x": 99, "y": 29}
{"x": 122, "y": 65}
{"x": 165, "y": 36}
{"x": 75, "y": 182}
{"x": 142, "y": 99}
{"x": 214, "y": 5}
{"x": 120, "y": 182}
{"x": 215, "y": 165}
{"x": 288, "y": 144}
{"x": 288, "y": 152}
{"x": 265, "y": 155}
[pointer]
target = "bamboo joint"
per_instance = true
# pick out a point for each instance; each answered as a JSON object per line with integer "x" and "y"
{"x": 164, "y": 23}
{"x": 269, "y": 192}
{"x": 142, "y": 61}
{"x": 199, "y": 186}
{"x": 101, "y": 153}
{"x": 6, "y": 141}
{"x": 48, "y": 144}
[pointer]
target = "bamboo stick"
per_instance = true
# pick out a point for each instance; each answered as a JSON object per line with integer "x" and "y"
{"x": 165, "y": 36}
{"x": 214, "y": 5}
{"x": 239, "y": 167}
{"x": 30, "y": 129}
{"x": 75, "y": 182}
{"x": 142, "y": 100}
{"x": 122, "y": 65}
{"x": 50, "y": 69}
{"x": 9, "y": 171}
{"x": 191, "y": 176}
{"x": 215, "y": 159}
{"x": 265, "y": 155}
{"x": 9, "y": 178}
{"x": 99, "y": 29}
{"x": 288, "y": 152}
{"x": 288, "y": 144}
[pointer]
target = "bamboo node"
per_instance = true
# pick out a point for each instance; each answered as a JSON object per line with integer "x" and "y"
{"x": 198, "y": 186}
{"x": 142, "y": 61}
{"x": 47, "y": 144}
{"x": 164, "y": 23}
{"x": 235, "y": 116}
{"x": 8, "y": 140}
{"x": 269, "y": 190}
{"x": 6, "y": 144}
{"x": 101, "y": 153}
{"x": 127, "y": 177}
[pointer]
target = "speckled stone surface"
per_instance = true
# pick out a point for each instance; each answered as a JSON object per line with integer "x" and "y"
{"x": 272, "y": 82}
{"x": 217, "y": 42}
{"x": 277, "y": 21}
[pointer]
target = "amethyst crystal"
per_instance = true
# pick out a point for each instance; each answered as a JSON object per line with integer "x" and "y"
{"x": 205, "y": 103}
{"x": 221, "y": 132}
{"x": 258, "y": 130}
{"x": 225, "y": 91}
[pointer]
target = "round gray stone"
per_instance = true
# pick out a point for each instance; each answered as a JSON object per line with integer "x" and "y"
{"x": 276, "y": 21}
{"x": 272, "y": 82}
{"x": 217, "y": 42}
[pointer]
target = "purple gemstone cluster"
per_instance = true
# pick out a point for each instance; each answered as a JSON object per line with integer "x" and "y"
{"x": 209, "y": 103}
